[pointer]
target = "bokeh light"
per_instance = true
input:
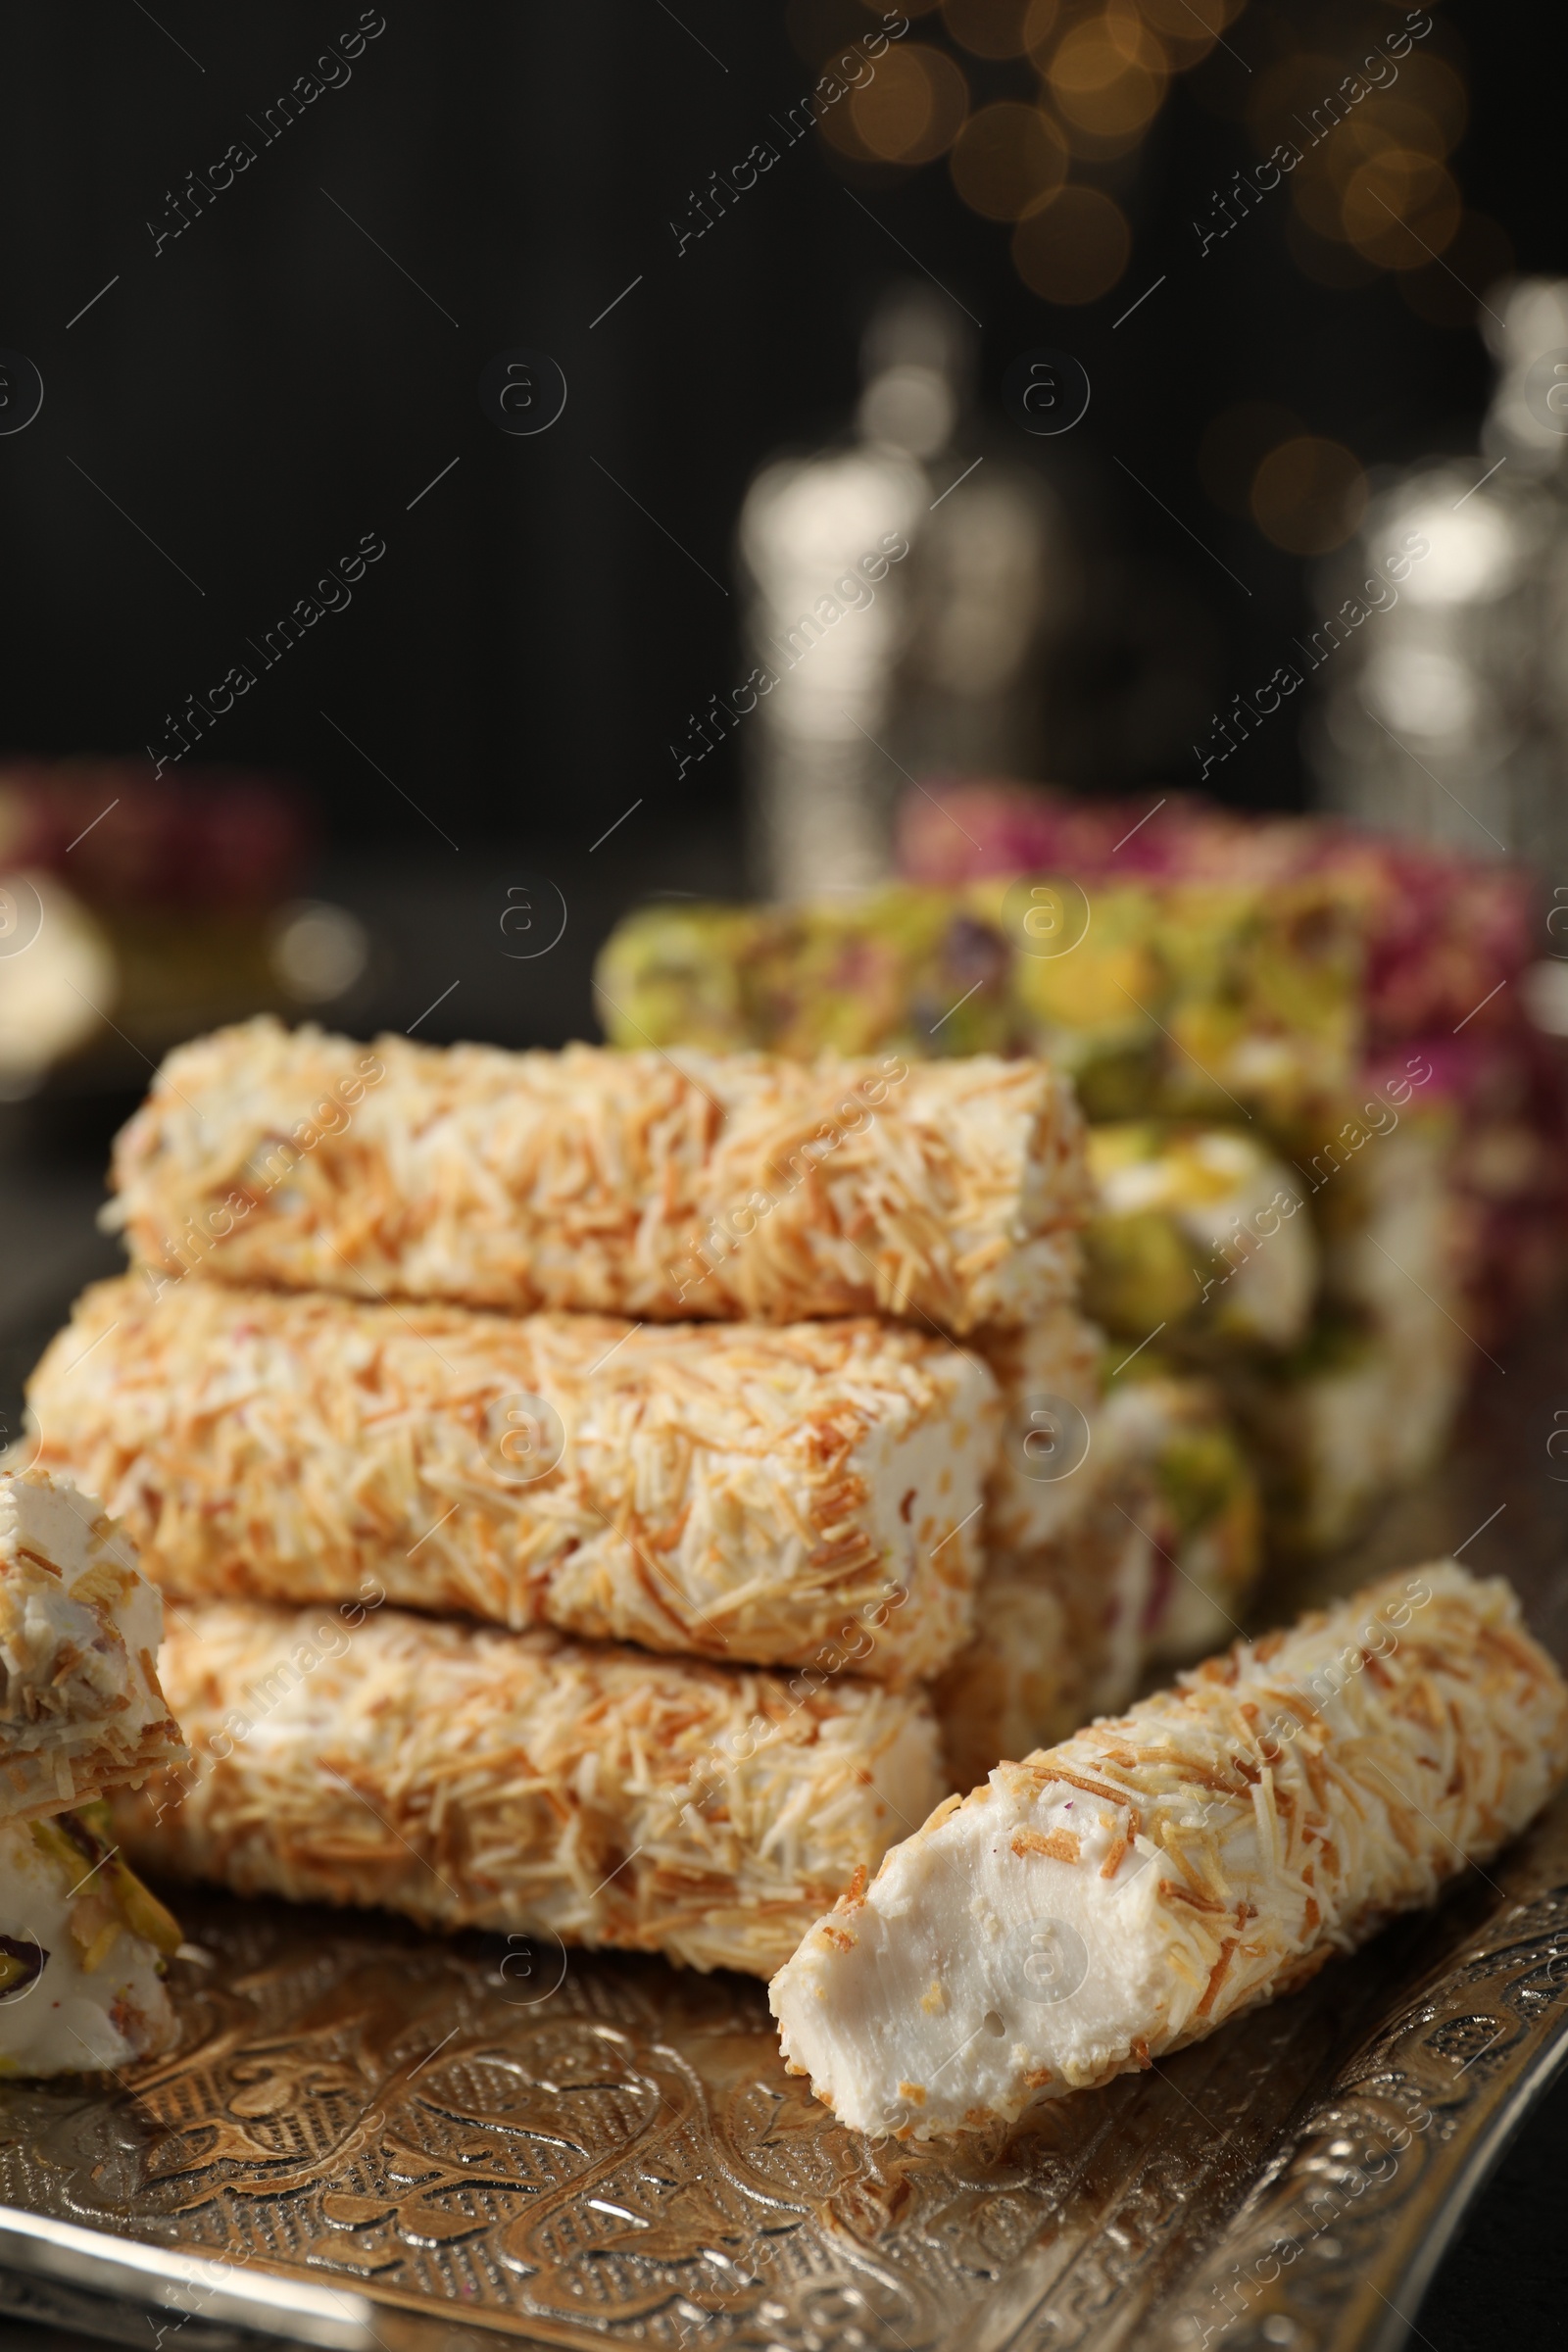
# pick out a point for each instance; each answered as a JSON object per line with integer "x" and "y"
{"x": 1399, "y": 209}
{"x": 1041, "y": 25}
{"x": 1107, "y": 74}
{"x": 1368, "y": 193}
{"x": 1309, "y": 495}
{"x": 1074, "y": 247}
{"x": 1385, "y": 123}
{"x": 1235, "y": 444}
{"x": 1006, "y": 157}
{"x": 1432, "y": 85}
{"x": 1189, "y": 28}
{"x": 911, "y": 110}
{"x": 986, "y": 28}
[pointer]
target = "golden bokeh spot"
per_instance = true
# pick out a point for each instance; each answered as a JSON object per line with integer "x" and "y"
{"x": 1317, "y": 197}
{"x": 1437, "y": 90}
{"x": 1302, "y": 100}
{"x": 1189, "y": 28}
{"x": 1074, "y": 247}
{"x": 837, "y": 126}
{"x": 1040, "y": 24}
{"x": 1235, "y": 444}
{"x": 1309, "y": 495}
{"x": 1381, "y": 124}
{"x": 1092, "y": 146}
{"x": 913, "y": 108}
{"x": 988, "y": 28}
{"x": 1099, "y": 85}
{"x": 1128, "y": 35}
{"x": 1006, "y": 157}
{"x": 1399, "y": 209}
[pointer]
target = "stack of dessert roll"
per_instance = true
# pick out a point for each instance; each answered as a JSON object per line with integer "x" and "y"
{"x": 83, "y": 1945}
{"x": 598, "y": 1483}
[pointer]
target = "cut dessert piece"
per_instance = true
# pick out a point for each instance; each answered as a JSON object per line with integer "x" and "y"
{"x": 81, "y": 1707}
{"x": 640, "y": 1183}
{"x": 737, "y": 1490}
{"x": 1114, "y": 1897}
{"x": 477, "y": 1779}
{"x": 83, "y": 1951}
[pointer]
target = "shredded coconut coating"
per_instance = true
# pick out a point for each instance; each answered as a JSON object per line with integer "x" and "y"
{"x": 471, "y": 1778}
{"x": 658, "y": 1186}
{"x": 1017, "y": 1686}
{"x": 1059, "y": 1635}
{"x": 80, "y": 1706}
{"x": 1114, "y": 1897}
{"x": 735, "y": 1491}
{"x": 1050, "y": 1375}
{"x": 1062, "y": 1609}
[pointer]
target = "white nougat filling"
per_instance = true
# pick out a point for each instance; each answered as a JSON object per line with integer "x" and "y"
{"x": 85, "y": 1991}
{"x": 977, "y": 1975}
{"x": 1110, "y": 1898}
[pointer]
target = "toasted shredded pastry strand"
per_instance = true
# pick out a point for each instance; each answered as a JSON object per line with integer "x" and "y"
{"x": 1049, "y": 1373}
{"x": 654, "y": 1185}
{"x": 521, "y": 1782}
{"x": 1058, "y": 1630}
{"x": 1280, "y": 1803}
{"x": 736, "y": 1491}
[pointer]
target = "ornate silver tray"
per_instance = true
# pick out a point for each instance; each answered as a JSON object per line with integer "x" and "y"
{"x": 370, "y": 2138}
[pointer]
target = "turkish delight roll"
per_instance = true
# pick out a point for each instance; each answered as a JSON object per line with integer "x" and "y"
{"x": 733, "y": 1490}
{"x": 1112, "y": 1899}
{"x": 84, "y": 1947}
{"x": 471, "y": 1778}
{"x": 1060, "y": 1631}
{"x": 1050, "y": 1377}
{"x": 657, "y": 1186}
{"x": 80, "y": 1706}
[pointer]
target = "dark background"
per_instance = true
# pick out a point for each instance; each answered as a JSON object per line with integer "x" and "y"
{"x": 273, "y": 385}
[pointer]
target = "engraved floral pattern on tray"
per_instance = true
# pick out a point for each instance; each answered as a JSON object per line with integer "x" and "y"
{"x": 625, "y": 2159}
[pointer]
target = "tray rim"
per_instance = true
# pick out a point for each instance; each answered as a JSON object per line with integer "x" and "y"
{"x": 262, "y": 2301}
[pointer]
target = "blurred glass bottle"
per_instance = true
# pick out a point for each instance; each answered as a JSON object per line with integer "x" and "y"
{"x": 1445, "y": 714}
{"x": 898, "y": 583}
